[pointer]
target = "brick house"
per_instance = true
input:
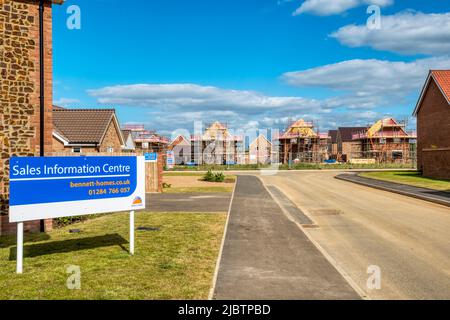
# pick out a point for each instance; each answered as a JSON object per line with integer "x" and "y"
{"x": 302, "y": 142}
{"x": 86, "y": 131}
{"x": 433, "y": 126}
{"x": 333, "y": 145}
{"x": 217, "y": 145}
{"x": 181, "y": 147}
{"x": 346, "y": 146}
{"x": 386, "y": 141}
{"x": 20, "y": 91}
{"x": 260, "y": 151}
{"x": 146, "y": 140}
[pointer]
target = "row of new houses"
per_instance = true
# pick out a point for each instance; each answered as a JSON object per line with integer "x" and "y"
{"x": 98, "y": 130}
{"x": 385, "y": 141}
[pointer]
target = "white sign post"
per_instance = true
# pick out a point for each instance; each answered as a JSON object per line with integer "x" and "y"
{"x": 19, "y": 258}
{"x": 132, "y": 233}
{"x": 55, "y": 187}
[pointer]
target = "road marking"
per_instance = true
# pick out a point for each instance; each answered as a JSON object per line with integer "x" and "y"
{"x": 219, "y": 258}
{"x": 327, "y": 256}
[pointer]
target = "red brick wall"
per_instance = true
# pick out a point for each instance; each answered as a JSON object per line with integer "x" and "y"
{"x": 433, "y": 127}
{"x": 19, "y": 89}
{"x": 112, "y": 139}
{"x": 7, "y": 228}
{"x": 436, "y": 163}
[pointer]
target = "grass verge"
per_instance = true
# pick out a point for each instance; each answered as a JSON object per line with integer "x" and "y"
{"x": 409, "y": 178}
{"x": 176, "y": 262}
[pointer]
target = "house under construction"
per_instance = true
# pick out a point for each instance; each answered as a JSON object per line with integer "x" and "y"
{"x": 303, "y": 143}
{"x": 217, "y": 146}
{"x": 147, "y": 140}
{"x": 385, "y": 141}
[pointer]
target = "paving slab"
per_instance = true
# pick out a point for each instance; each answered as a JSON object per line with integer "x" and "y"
{"x": 188, "y": 202}
{"x": 439, "y": 197}
{"x": 267, "y": 256}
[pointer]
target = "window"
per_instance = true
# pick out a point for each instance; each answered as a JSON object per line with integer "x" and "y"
{"x": 397, "y": 155}
{"x": 110, "y": 149}
{"x": 76, "y": 150}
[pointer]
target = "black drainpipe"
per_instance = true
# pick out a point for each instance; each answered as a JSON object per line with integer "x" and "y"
{"x": 41, "y": 88}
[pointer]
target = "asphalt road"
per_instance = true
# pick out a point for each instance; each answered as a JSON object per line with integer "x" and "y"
{"x": 267, "y": 256}
{"x": 407, "y": 238}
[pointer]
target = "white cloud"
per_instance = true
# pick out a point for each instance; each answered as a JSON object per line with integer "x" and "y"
{"x": 368, "y": 83}
{"x": 406, "y": 33}
{"x": 199, "y": 98}
{"x": 333, "y": 7}
{"x": 177, "y": 106}
{"x": 64, "y": 102}
{"x": 361, "y": 90}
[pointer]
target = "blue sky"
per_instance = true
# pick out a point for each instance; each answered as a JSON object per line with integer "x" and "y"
{"x": 251, "y": 63}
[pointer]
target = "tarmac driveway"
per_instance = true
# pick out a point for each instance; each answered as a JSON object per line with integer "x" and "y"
{"x": 267, "y": 256}
{"x": 188, "y": 202}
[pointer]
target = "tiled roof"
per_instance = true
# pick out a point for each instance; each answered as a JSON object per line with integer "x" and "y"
{"x": 442, "y": 77}
{"x": 126, "y": 134}
{"x": 347, "y": 133}
{"x": 80, "y": 126}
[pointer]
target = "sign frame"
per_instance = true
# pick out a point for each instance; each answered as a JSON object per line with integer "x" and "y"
{"x": 28, "y": 174}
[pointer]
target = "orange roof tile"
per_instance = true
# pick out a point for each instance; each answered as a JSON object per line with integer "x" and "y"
{"x": 442, "y": 77}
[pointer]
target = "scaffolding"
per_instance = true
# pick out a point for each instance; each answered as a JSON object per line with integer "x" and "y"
{"x": 386, "y": 141}
{"x": 303, "y": 143}
{"x": 147, "y": 140}
{"x": 216, "y": 146}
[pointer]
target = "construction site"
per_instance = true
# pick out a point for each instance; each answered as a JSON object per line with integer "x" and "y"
{"x": 387, "y": 141}
{"x": 147, "y": 140}
{"x": 217, "y": 146}
{"x": 303, "y": 143}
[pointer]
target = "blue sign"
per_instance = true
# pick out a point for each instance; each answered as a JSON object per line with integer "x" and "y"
{"x": 65, "y": 186}
{"x": 151, "y": 157}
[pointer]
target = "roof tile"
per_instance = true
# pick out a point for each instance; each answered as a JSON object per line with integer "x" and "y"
{"x": 80, "y": 126}
{"x": 442, "y": 77}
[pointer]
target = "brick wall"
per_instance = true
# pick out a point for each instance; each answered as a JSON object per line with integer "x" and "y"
{"x": 436, "y": 163}
{"x": 260, "y": 151}
{"x": 350, "y": 149}
{"x": 19, "y": 88}
{"x": 433, "y": 127}
{"x": 112, "y": 139}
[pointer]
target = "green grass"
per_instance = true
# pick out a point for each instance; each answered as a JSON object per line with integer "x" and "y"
{"x": 229, "y": 178}
{"x": 176, "y": 262}
{"x": 410, "y": 178}
{"x": 213, "y": 189}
